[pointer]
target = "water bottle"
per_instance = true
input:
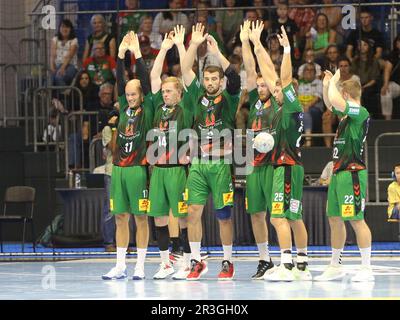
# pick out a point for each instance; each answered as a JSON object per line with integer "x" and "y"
{"x": 70, "y": 179}
{"x": 77, "y": 181}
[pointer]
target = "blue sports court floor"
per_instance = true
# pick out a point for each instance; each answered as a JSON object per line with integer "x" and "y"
{"x": 76, "y": 274}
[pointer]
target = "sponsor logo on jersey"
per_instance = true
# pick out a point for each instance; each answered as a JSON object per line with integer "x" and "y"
{"x": 347, "y": 210}
{"x": 294, "y": 205}
{"x": 205, "y": 102}
{"x": 182, "y": 207}
{"x": 277, "y": 207}
{"x": 354, "y": 111}
{"x": 258, "y": 104}
{"x": 144, "y": 205}
{"x": 228, "y": 198}
{"x": 290, "y": 95}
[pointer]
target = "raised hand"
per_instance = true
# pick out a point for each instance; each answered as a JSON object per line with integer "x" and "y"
{"x": 327, "y": 76}
{"x": 123, "y": 47}
{"x": 133, "y": 43}
{"x": 245, "y": 31}
{"x": 212, "y": 45}
{"x": 283, "y": 38}
{"x": 256, "y": 30}
{"x": 178, "y": 35}
{"x": 167, "y": 43}
{"x": 198, "y": 35}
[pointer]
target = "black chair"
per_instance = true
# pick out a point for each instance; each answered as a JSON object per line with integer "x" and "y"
{"x": 16, "y": 196}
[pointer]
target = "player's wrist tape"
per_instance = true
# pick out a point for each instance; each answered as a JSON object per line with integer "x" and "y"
{"x": 286, "y": 49}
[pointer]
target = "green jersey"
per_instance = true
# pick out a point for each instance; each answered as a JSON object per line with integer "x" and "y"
{"x": 129, "y": 22}
{"x": 169, "y": 121}
{"x": 132, "y": 129}
{"x": 287, "y": 127}
{"x": 212, "y": 116}
{"x": 260, "y": 120}
{"x": 348, "y": 146}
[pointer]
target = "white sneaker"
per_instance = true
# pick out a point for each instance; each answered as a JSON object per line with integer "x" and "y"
{"x": 363, "y": 275}
{"x": 182, "y": 273}
{"x": 138, "y": 274}
{"x": 281, "y": 273}
{"x": 164, "y": 271}
{"x": 301, "y": 275}
{"x": 331, "y": 273}
{"x": 115, "y": 274}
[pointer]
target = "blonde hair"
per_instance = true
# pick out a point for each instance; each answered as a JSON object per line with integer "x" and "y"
{"x": 175, "y": 80}
{"x": 352, "y": 87}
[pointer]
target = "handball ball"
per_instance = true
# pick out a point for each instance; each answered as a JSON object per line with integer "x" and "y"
{"x": 264, "y": 142}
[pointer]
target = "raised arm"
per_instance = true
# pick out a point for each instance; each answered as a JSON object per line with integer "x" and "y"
{"x": 325, "y": 82}
{"x": 123, "y": 48}
{"x": 155, "y": 74}
{"x": 178, "y": 38}
{"x": 334, "y": 95}
{"x": 265, "y": 63}
{"x": 212, "y": 47}
{"x": 198, "y": 37}
{"x": 286, "y": 67}
{"x": 141, "y": 69}
{"x": 248, "y": 58}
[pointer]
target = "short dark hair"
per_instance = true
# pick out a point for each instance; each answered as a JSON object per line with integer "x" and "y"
{"x": 396, "y": 165}
{"x": 344, "y": 58}
{"x": 68, "y": 24}
{"x": 213, "y": 69}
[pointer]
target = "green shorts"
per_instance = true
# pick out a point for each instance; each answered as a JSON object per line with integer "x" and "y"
{"x": 167, "y": 191}
{"x": 214, "y": 177}
{"x": 258, "y": 189}
{"x": 287, "y": 192}
{"x": 129, "y": 192}
{"x": 346, "y": 195}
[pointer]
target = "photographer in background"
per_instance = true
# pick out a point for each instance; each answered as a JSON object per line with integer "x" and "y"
{"x": 394, "y": 196}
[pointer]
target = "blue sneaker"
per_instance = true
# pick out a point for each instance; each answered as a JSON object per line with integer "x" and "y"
{"x": 115, "y": 274}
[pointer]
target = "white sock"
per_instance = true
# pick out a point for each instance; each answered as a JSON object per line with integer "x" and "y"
{"x": 195, "y": 250}
{"x": 165, "y": 257}
{"x": 227, "y": 253}
{"x": 186, "y": 260}
{"x": 303, "y": 256}
{"x": 365, "y": 256}
{"x": 336, "y": 260}
{"x": 141, "y": 256}
{"x": 263, "y": 251}
{"x": 121, "y": 253}
{"x": 286, "y": 257}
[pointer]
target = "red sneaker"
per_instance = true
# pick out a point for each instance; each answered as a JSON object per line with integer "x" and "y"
{"x": 198, "y": 269}
{"x": 227, "y": 272}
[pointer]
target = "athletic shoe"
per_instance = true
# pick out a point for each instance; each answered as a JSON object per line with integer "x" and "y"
{"x": 263, "y": 268}
{"x": 115, "y": 274}
{"x": 138, "y": 274}
{"x": 164, "y": 271}
{"x": 282, "y": 273}
{"x": 227, "y": 271}
{"x": 175, "y": 258}
{"x": 197, "y": 270}
{"x": 331, "y": 273}
{"x": 363, "y": 275}
{"x": 181, "y": 274}
{"x": 301, "y": 272}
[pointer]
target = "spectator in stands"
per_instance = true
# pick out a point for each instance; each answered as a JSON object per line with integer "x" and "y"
{"x": 149, "y": 54}
{"x": 335, "y": 19}
{"x": 204, "y": 59}
{"x": 101, "y": 67}
{"x": 330, "y": 61}
{"x": 128, "y": 21}
{"x": 328, "y": 118}
{"x": 165, "y": 22}
{"x": 309, "y": 57}
{"x": 99, "y": 35}
{"x": 367, "y": 68}
{"x": 291, "y": 28}
{"x": 394, "y": 196}
{"x": 320, "y": 36}
{"x": 90, "y": 92}
{"x": 262, "y": 13}
{"x": 236, "y": 61}
{"x": 228, "y": 23}
{"x": 63, "y": 54}
{"x": 391, "y": 80}
{"x": 275, "y": 51}
{"x": 146, "y": 29}
{"x": 310, "y": 96}
{"x": 367, "y": 31}
{"x": 202, "y": 11}
{"x": 50, "y": 134}
{"x": 303, "y": 17}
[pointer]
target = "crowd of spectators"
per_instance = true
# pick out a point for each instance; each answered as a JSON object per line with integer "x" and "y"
{"x": 316, "y": 35}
